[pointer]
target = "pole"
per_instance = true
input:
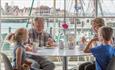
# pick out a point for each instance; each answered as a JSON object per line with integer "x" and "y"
{"x": 96, "y": 8}
{"x": 75, "y": 20}
{"x": 54, "y": 9}
{"x": 65, "y": 63}
{"x": 64, "y": 11}
{"x": 0, "y": 34}
{"x": 0, "y": 27}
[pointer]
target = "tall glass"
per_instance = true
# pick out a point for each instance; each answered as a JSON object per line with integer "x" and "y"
{"x": 35, "y": 45}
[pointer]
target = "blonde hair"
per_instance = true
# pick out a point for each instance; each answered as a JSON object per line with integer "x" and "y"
{"x": 18, "y": 36}
{"x": 98, "y": 21}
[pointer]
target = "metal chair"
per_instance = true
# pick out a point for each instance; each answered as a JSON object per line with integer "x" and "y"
{"x": 111, "y": 65}
{"x": 6, "y": 62}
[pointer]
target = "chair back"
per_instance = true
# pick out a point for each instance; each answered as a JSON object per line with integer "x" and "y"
{"x": 111, "y": 65}
{"x": 6, "y": 62}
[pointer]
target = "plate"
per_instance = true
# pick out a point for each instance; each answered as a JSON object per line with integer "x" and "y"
{"x": 49, "y": 47}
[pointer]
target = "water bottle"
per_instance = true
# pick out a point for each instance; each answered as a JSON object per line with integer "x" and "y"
{"x": 71, "y": 45}
{"x": 61, "y": 44}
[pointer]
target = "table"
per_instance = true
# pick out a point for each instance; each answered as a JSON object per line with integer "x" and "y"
{"x": 59, "y": 52}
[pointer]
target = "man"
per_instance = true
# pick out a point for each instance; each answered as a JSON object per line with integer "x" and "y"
{"x": 39, "y": 36}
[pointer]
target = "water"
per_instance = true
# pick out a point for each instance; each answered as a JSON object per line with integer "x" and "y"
{"x": 5, "y": 29}
{"x": 5, "y": 26}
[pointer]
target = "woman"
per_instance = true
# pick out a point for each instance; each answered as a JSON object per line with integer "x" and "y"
{"x": 96, "y": 24}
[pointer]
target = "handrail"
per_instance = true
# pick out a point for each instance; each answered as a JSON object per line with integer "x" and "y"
{"x": 27, "y": 17}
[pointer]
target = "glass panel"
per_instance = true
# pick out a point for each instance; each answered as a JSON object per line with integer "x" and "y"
{"x": 55, "y": 8}
{"x": 15, "y": 7}
{"x": 52, "y": 26}
{"x": 80, "y": 8}
{"x": 106, "y": 8}
{"x": 47, "y": 7}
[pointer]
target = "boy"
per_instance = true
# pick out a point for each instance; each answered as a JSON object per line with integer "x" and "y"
{"x": 104, "y": 52}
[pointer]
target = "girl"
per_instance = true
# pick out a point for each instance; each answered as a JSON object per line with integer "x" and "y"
{"x": 19, "y": 55}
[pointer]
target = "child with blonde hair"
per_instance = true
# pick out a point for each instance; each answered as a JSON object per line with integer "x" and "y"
{"x": 20, "y": 61}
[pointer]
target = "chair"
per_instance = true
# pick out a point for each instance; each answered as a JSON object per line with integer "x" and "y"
{"x": 111, "y": 65}
{"x": 5, "y": 46}
{"x": 6, "y": 62}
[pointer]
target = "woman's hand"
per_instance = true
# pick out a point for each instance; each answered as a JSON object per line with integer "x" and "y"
{"x": 95, "y": 39}
{"x": 89, "y": 45}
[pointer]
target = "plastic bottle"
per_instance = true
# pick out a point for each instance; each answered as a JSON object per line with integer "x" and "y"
{"x": 61, "y": 44}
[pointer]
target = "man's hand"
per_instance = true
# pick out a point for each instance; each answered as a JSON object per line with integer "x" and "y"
{"x": 50, "y": 42}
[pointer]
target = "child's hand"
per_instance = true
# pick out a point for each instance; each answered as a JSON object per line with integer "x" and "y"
{"x": 29, "y": 47}
{"x": 28, "y": 62}
{"x": 26, "y": 66}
